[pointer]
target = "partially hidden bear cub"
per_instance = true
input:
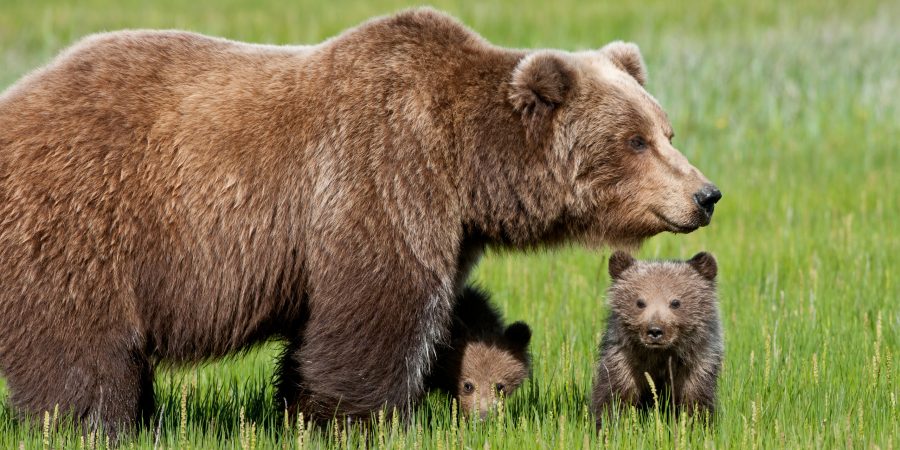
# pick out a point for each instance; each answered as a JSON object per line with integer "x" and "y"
{"x": 663, "y": 322}
{"x": 483, "y": 360}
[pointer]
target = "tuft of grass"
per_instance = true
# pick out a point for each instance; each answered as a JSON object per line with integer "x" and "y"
{"x": 791, "y": 108}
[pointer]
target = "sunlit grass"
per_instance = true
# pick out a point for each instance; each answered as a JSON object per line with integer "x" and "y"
{"x": 792, "y": 110}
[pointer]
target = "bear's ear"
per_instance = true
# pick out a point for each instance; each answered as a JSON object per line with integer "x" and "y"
{"x": 627, "y": 56}
{"x": 618, "y": 263}
{"x": 705, "y": 264}
{"x": 518, "y": 335}
{"x": 541, "y": 82}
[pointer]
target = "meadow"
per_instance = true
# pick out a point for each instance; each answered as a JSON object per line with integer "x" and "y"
{"x": 792, "y": 108}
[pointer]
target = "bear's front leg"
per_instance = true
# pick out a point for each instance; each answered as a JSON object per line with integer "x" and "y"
{"x": 697, "y": 392}
{"x": 368, "y": 343}
{"x": 614, "y": 386}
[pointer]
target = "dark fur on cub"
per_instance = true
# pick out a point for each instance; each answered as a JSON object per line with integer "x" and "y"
{"x": 483, "y": 359}
{"x": 663, "y": 321}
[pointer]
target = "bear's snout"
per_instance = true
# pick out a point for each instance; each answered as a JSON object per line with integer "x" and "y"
{"x": 706, "y": 198}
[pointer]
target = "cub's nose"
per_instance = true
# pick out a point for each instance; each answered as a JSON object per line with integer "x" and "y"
{"x": 655, "y": 333}
{"x": 706, "y": 199}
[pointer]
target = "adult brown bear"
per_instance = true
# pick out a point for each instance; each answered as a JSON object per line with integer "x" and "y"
{"x": 170, "y": 196}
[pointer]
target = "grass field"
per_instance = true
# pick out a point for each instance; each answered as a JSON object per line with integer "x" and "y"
{"x": 792, "y": 108}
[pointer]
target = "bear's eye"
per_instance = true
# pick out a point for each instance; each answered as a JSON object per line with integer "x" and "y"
{"x": 499, "y": 387}
{"x": 641, "y": 304}
{"x": 638, "y": 143}
{"x": 468, "y": 388}
{"x": 674, "y": 304}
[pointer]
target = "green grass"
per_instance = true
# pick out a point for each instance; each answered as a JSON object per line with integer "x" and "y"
{"x": 792, "y": 109}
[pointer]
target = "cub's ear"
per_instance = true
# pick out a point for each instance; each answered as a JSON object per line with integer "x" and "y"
{"x": 705, "y": 264}
{"x": 627, "y": 56}
{"x": 618, "y": 263}
{"x": 541, "y": 82}
{"x": 518, "y": 335}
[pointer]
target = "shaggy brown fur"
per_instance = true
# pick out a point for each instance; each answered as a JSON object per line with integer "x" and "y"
{"x": 663, "y": 321}
{"x": 171, "y": 196}
{"x": 483, "y": 359}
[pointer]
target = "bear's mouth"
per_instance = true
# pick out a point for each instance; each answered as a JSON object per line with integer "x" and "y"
{"x": 656, "y": 345}
{"x": 675, "y": 227}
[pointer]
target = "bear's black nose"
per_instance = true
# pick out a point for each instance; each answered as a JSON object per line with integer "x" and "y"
{"x": 655, "y": 333}
{"x": 707, "y": 197}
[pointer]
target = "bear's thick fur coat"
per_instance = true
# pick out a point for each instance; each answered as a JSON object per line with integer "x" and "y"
{"x": 170, "y": 196}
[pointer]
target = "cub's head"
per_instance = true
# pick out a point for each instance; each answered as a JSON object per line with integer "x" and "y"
{"x": 491, "y": 369}
{"x": 613, "y": 142}
{"x": 663, "y": 304}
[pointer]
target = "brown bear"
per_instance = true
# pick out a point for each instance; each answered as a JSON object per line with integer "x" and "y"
{"x": 483, "y": 360}
{"x": 171, "y": 196}
{"x": 663, "y": 322}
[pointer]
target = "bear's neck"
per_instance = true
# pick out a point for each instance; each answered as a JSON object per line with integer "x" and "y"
{"x": 447, "y": 91}
{"x": 513, "y": 191}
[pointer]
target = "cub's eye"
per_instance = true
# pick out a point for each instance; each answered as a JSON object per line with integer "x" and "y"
{"x": 641, "y": 304}
{"x": 468, "y": 387}
{"x": 674, "y": 304}
{"x": 500, "y": 387}
{"x": 638, "y": 143}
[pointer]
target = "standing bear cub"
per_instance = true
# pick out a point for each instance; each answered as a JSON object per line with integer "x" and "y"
{"x": 484, "y": 360}
{"x": 168, "y": 196}
{"x": 663, "y": 322}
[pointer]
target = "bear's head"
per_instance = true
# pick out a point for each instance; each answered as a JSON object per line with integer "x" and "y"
{"x": 663, "y": 304}
{"x": 491, "y": 369}
{"x": 624, "y": 178}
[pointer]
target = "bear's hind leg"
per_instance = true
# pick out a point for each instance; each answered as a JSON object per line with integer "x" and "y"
{"x": 96, "y": 387}
{"x": 124, "y": 396}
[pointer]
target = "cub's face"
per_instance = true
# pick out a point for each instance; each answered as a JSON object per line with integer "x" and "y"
{"x": 491, "y": 370}
{"x": 628, "y": 181}
{"x": 661, "y": 304}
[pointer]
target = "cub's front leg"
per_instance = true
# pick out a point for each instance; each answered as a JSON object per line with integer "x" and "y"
{"x": 614, "y": 386}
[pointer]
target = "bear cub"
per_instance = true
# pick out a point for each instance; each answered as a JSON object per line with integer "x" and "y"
{"x": 663, "y": 322}
{"x": 483, "y": 359}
